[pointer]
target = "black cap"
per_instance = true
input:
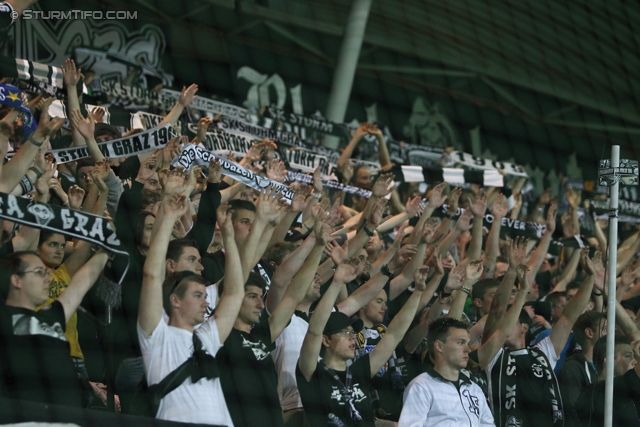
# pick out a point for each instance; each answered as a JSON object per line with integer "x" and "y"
{"x": 105, "y": 128}
{"x": 340, "y": 321}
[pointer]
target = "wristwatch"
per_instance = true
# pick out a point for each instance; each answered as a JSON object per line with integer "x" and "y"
{"x": 385, "y": 270}
{"x": 366, "y": 230}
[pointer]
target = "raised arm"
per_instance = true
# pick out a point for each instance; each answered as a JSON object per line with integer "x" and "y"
{"x": 17, "y": 167}
{"x": 462, "y": 224}
{"x": 286, "y": 270}
{"x": 228, "y": 307}
{"x": 396, "y": 330}
{"x": 150, "y": 311}
{"x": 187, "y": 95}
{"x": 298, "y": 287}
{"x": 499, "y": 208}
{"x": 348, "y": 151}
{"x": 517, "y": 256}
{"x": 71, "y": 77}
{"x": 473, "y": 271}
{"x": 575, "y": 307}
{"x": 81, "y": 282}
{"x": 478, "y": 207}
{"x": 540, "y": 253}
{"x": 490, "y": 348}
{"x": 313, "y": 339}
{"x": 436, "y": 199}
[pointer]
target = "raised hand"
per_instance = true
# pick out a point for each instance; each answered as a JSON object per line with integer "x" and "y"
{"x": 479, "y": 205}
{"x": 413, "y": 206}
{"x": 373, "y": 129}
{"x": 267, "y": 206}
{"x": 268, "y": 149}
{"x": 588, "y": 264}
{"x": 175, "y": 206}
{"x": 464, "y": 221}
{"x": 437, "y": 263}
{"x": 96, "y": 176}
{"x": 420, "y": 277}
{"x": 362, "y": 130}
{"x": 86, "y": 127}
{"x": 187, "y": 95}
{"x": 98, "y": 114}
{"x": 214, "y": 171}
{"x": 456, "y": 276}
{"x": 573, "y": 198}
{"x": 317, "y": 180}
{"x": 254, "y": 153}
{"x": 76, "y": 196}
{"x": 454, "y": 199}
{"x": 337, "y": 253}
{"x": 403, "y": 256}
{"x": 436, "y": 199}
{"x": 500, "y": 207}
{"x": 174, "y": 182}
{"x": 383, "y": 185}
{"x": 102, "y": 169}
{"x": 473, "y": 271}
{"x": 224, "y": 216}
{"x": 70, "y": 75}
{"x": 275, "y": 170}
{"x": 203, "y": 126}
{"x": 347, "y": 171}
{"x": 376, "y": 213}
{"x": 299, "y": 201}
{"x": 345, "y": 272}
{"x": 322, "y": 231}
{"x": 551, "y": 218}
{"x": 518, "y": 251}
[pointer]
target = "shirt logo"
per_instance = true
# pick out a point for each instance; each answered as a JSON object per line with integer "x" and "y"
{"x": 474, "y": 405}
{"x": 513, "y": 421}
{"x": 259, "y": 349}
{"x": 344, "y": 396}
{"x": 537, "y": 370}
{"x": 30, "y": 325}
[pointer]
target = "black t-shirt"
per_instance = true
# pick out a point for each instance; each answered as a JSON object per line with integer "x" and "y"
{"x": 248, "y": 377}
{"x": 324, "y": 399}
{"x": 35, "y": 363}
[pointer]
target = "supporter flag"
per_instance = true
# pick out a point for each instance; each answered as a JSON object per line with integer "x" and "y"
{"x": 12, "y": 97}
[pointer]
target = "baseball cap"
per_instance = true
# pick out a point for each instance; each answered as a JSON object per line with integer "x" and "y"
{"x": 339, "y": 321}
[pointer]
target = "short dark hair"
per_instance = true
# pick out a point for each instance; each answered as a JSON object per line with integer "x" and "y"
{"x": 253, "y": 280}
{"x": 502, "y": 259}
{"x": 554, "y": 297}
{"x": 278, "y": 252}
{"x": 178, "y": 283}
{"x": 575, "y": 284}
{"x": 482, "y": 286}
{"x": 83, "y": 163}
{"x": 46, "y": 235}
{"x": 239, "y": 204}
{"x": 600, "y": 350}
{"x": 592, "y": 320}
{"x": 176, "y": 248}
{"x": 439, "y": 331}
{"x": 11, "y": 264}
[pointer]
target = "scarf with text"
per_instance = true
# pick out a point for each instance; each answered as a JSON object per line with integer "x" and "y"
{"x": 192, "y": 155}
{"x": 92, "y": 228}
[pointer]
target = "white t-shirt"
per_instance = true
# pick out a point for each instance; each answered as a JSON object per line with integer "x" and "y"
{"x": 166, "y": 349}
{"x": 285, "y": 358}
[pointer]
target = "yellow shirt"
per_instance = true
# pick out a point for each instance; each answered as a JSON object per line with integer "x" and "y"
{"x": 60, "y": 279}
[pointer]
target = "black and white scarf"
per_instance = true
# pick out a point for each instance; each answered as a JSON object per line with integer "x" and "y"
{"x": 510, "y": 407}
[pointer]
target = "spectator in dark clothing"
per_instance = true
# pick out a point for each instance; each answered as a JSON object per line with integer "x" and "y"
{"x": 626, "y": 388}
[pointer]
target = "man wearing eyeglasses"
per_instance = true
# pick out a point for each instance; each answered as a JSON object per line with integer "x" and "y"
{"x": 35, "y": 363}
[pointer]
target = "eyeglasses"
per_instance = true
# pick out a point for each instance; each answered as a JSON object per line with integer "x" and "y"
{"x": 346, "y": 333}
{"x": 40, "y": 272}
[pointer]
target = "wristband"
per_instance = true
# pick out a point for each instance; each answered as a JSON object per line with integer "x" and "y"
{"x": 444, "y": 294}
{"x": 366, "y": 230}
{"x": 385, "y": 270}
{"x": 465, "y": 290}
{"x": 27, "y": 186}
{"x": 316, "y": 195}
{"x": 36, "y": 171}
{"x": 35, "y": 143}
{"x": 597, "y": 294}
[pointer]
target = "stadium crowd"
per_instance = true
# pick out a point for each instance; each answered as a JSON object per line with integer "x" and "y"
{"x": 236, "y": 308}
